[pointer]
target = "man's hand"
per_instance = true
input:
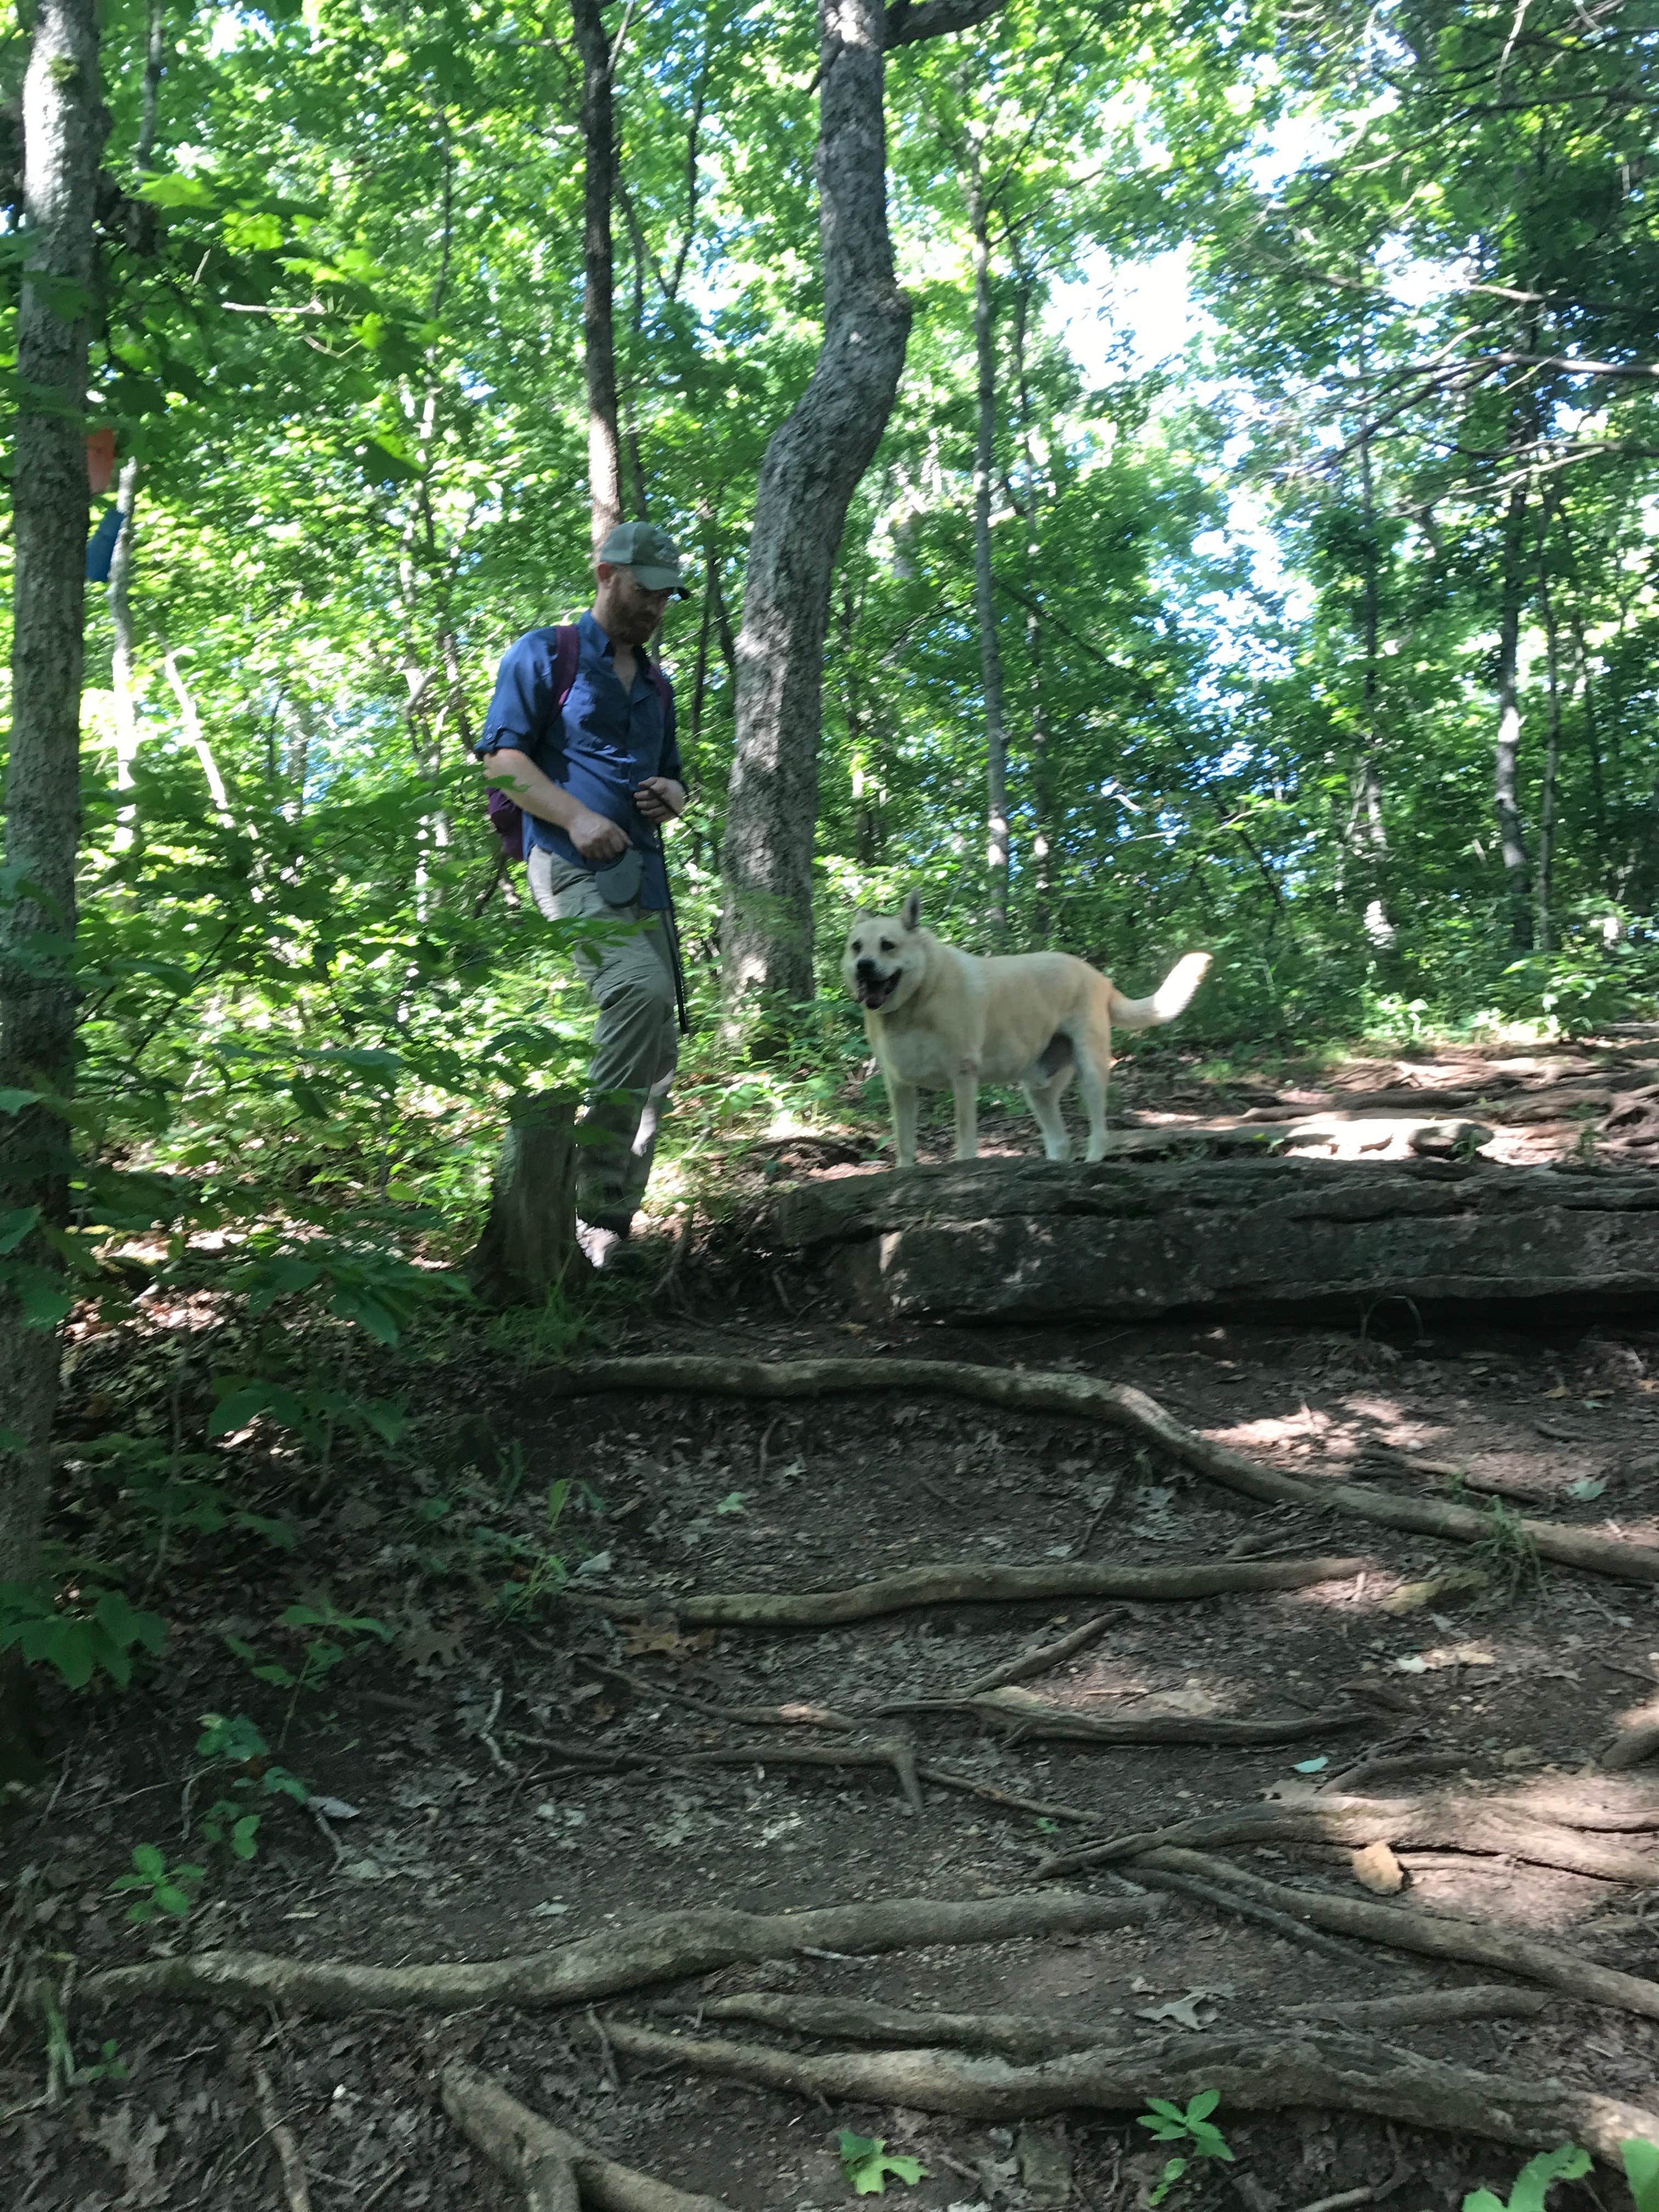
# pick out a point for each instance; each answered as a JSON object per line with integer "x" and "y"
{"x": 595, "y": 838}
{"x": 660, "y": 799}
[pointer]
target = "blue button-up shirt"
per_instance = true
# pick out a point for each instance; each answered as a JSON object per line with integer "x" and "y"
{"x": 601, "y": 750}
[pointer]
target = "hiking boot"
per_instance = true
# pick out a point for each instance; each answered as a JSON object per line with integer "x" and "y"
{"x": 606, "y": 1247}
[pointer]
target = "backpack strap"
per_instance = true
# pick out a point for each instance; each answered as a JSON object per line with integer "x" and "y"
{"x": 567, "y": 659}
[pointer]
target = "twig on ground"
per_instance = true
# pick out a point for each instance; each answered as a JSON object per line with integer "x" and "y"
{"x": 890, "y": 1751}
{"x": 282, "y": 2140}
{"x": 1039, "y": 1658}
{"x": 973, "y": 1584}
{"x": 1413, "y": 1928}
{"x": 1427, "y": 1824}
{"x": 579, "y": 1755}
{"x": 663, "y": 1946}
{"x": 1384, "y": 1766}
{"x": 1117, "y": 1406}
{"x": 1008, "y": 1799}
{"x": 791, "y": 1715}
{"x": 1245, "y": 1908}
{"x": 532, "y": 2153}
{"x": 1259, "y": 2072}
{"x": 1421, "y": 2008}
{"x": 1342, "y": 2200}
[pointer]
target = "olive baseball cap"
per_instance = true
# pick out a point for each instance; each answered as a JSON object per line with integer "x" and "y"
{"x": 651, "y": 553}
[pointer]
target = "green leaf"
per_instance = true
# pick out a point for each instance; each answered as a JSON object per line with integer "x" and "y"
{"x": 176, "y": 191}
{"x": 16, "y": 1226}
{"x": 13, "y": 1101}
{"x": 1642, "y": 2172}
{"x": 866, "y": 2162}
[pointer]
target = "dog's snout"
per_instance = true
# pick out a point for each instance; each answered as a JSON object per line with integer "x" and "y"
{"x": 866, "y": 970}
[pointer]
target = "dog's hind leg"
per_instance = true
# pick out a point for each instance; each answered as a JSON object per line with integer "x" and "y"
{"x": 1043, "y": 1099}
{"x": 1094, "y": 1066}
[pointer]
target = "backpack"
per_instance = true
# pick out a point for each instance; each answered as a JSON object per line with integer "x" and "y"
{"x": 506, "y": 816}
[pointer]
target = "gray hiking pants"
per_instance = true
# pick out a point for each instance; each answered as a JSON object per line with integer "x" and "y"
{"x": 636, "y": 1039}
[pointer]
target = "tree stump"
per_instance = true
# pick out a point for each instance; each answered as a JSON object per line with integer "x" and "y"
{"x": 529, "y": 1240}
{"x": 1036, "y": 1240}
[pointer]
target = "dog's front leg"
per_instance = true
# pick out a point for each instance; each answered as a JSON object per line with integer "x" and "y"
{"x": 964, "y": 1088}
{"x": 902, "y": 1099}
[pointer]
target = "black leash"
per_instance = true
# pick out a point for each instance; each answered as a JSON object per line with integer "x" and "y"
{"x": 674, "y": 947}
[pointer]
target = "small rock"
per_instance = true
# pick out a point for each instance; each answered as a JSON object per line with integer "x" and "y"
{"x": 1045, "y": 2162}
{"x": 1449, "y": 1140}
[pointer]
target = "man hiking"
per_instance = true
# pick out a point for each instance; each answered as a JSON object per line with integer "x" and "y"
{"x": 596, "y": 772}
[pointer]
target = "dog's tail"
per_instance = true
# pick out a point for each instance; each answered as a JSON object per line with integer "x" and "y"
{"x": 1171, "y": 996}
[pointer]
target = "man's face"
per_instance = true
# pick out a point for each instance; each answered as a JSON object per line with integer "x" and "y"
{"x": 627, "y": 613}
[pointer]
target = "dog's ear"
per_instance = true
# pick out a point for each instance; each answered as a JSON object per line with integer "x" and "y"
{"x": 910, "y": 912}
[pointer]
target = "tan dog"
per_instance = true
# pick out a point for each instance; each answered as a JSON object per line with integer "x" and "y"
{"x": 937, "y": 1018}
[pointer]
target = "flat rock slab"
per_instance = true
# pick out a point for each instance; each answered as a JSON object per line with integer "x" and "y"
{"x": 1040, "y": 1240}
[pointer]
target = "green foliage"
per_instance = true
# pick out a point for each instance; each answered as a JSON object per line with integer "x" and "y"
{"x": 1534, "y": 2182}
{"x": 321, "y": 1654}
{"x": 1191, "y": 2126}
{"x": 82, "y": 1634}
{"x": 1641, "y": 2162}
{"x": 1506, "y": 1553}
{"x": 547, "y": 1573}
{"x": 230, "y": 1823}
{"x": 866, "y": 2162}
{"x": 152, "y": 1886}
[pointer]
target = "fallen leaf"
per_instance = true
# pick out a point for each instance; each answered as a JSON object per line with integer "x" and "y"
{"x": 1586, "y": 1487}
{"x": 1376, "y": 1868}
{"x": 1182, "y": 2010}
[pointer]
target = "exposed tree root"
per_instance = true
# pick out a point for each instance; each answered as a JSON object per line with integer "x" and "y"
{"x": 549, "y": 2166}
{"x": 1634, "y": 1744}
{"x": 1040, "y": 1658}
{"x": 1024, "y": 2036}
{"x": 664, "y": 1947}
{"x": 1423, "y": 2008}
{"x": 1260, "y": 2073}
{"x": 1031, "y": 2037}
{"x": 978, "y": 1585}
{"x": 1032, "y": 1717}
{"x": 1410, "y": 1927}
{"x": 1245, "y": 1907}
{"x": 1115, "y": 1405}
{"x": 892, "y": 1753}
{"x": 1426, "y": 1824}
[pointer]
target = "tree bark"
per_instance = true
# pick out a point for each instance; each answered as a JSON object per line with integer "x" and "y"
{"x": 812, "y": 469}
{"x": 990, "y": 655}
{"x": 1042, "y": 781}
{"x": 63, "y": 127}
{"x": 529, "y": 1240}
{"x": 599, "y": 329}
{"x": 1548, "y": 797}
{"x": 1517, "y": 871}
{"x": 1373, "y": 831}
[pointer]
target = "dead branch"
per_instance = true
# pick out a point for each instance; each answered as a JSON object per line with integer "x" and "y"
{"x": 1040, "y": 1658}
{"x": 542, "y": 2159}
{"x": 1034, "y": 1717}
{"x": 1413, "y": 1928}
{"x": 283, "y": 2140}
{"x": 1009, "y": 1799}
{"x": 1424, "y": 1824}
{"x": 975, "y": 1584}
{"x": 1113, "y": 1404}
{"x": 1253, "y": 2072}
{"x": 1423, "y": 2008}
{"x": 663, "y": 1946}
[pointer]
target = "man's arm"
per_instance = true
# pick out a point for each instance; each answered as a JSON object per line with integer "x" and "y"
{"x": 594, "y": 836}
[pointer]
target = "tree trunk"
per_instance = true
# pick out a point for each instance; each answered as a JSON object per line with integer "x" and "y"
{"x": 63, "y": 125}
{"x": 1547, "y": 802}
{"x": 807, "y": 479}
{"x": 1511, "y": 837}
{"x": 529, "y": 1240}
{"x": 598, "y": 141}
{"x": 990, "y": 656}
{"x": 1373, "y": 832}
{"x": 1041, "y": 785}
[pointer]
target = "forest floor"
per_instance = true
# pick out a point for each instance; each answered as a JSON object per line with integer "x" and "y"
{"x": 504, "y": 1777}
